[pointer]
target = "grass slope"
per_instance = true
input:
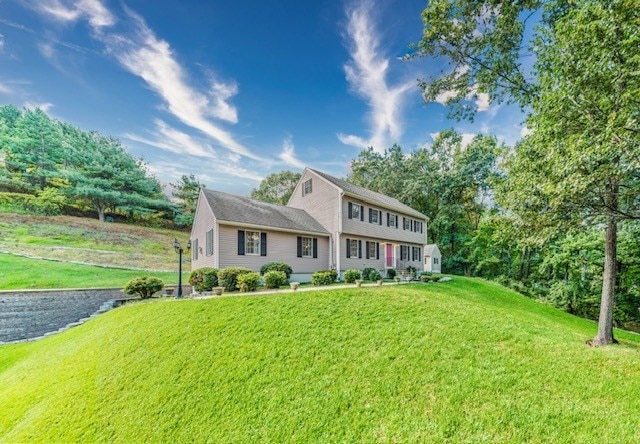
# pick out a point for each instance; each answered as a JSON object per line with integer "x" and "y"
{"x": 23, "y": 273}
{"x": 90, "y": 241}
{"x": 465, "y": 361}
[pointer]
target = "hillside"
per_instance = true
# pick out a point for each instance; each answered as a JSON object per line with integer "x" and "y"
{"x": 464, "y": 361}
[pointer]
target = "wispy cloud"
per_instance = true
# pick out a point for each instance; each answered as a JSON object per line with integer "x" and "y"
{"x": 366, "y": 73}
{"x": 151, "y": 58}
{"x": 94, "y": 11}
{"x": 288, "y": 156}
{"x": 44, "y": 106}
{"x": 4, "y": 89}
{"x": 1, "y": 43}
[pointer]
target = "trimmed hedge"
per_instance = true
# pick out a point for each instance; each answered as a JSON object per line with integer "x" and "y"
{"x": 276, "y": 266}
{"x": 375, "y": 275}
{"x": 228, "y": 277}
{"x": 275, "y": 279}
{"x": 350, "y": 276}
{"x": 366, "y": 272}
{"x": 248, "y": 281}
{"x": 326, "y": 277}
{"x": 204, "y": 279}
{"x": 144, "y": 286}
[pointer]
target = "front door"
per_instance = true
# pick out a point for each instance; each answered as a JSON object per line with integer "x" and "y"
{"x": 390, "y": 259}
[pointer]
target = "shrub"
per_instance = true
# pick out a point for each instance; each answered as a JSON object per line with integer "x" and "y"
{"x": 204, "y": 279}
{"x": 391, "y": 273}
{"x": 228, "y": 277}
{"x": 274, "y": 279}
{"x": 326, "y": 277}
{"x": 350, "y": 276}
{"x": 144, "y": 286}
{"x": 366, "y": 272}
{"x": 248, "y": 281}
{"x": 375, "y": 275}
{"x": 411, "y": 269}
{"x": 276, "y": 266}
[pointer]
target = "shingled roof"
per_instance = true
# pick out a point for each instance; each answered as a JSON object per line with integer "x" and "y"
{"x": 370, "y": 196}
{"x": 231, "y": 208}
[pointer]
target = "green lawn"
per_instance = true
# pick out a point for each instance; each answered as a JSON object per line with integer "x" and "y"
{"x": 17, "y": 273}
{"x": 463, "y": 361}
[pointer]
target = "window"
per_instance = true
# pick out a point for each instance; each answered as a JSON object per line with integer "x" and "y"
{"x": 210, "y": 242}
{"x": 435, "y": 261}
{"x": 407, "y": 223}
{"x": 404, "y": 253}
{"x": 252, "y": 242}
{"x": 353, "y": 248}
{"x": 306, "y": 187}
{"x": 356, "y": 211}
{"x": 417, "y": 227}
{"x": 374, "y": 216}
{"x": 194, "y": 250}
{"x": 392, "y": 220}
{"x": 372, "y": 250}
{"x": 307, "y": 247}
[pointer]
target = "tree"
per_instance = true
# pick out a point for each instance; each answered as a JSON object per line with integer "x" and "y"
{"x": 276, "y": 187}
{"x": 187, "y": 191}
{"x": 581, "y": 163}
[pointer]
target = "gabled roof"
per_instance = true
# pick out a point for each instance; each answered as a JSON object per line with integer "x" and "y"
{"x": 430, "y": 249}
{"x": 231, "y": 208}
{"x": 370, "y": 196}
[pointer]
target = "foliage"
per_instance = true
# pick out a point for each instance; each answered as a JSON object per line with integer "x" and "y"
{"x": 248, "y": 281}
{"x": 276, "y": 188}
{"x": 375, "y": 275}
{"x": 350, "y": 276}
{"x": 274, "y": 279}
{"x": 385, "y": 339}
{"x": 228, "y": 277}
{"x": 47, "y": 202}
{"x": 391, "y": 273}
{"x": 144, "y": 286}
{"x": 366, "y": 272}
{"x": 326, "y": 277}
{"x": 204, "y": 279}
{"x": 186, "y": 191}
{"x": 276, "y": 266}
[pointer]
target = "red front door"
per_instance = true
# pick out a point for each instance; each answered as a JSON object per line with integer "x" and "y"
{"x": 389, "y": 256}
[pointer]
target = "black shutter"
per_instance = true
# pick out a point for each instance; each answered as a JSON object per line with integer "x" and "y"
{"x": 377, "y": 250}
{"x": 388, "y": 216}
{"x": 370, "y": 215}
{"x": 359, "y": 249}
{"x": 240, "y": 242}
{"x": 404, "y": 223}
{"x": 412, "y": 225}
{"x": 350, "y": 210}
{"x": 397, "y": 220}
{"x": 315, "y": 248}
{"x": 367, "y": 250}
{"x": 379, "y": 217}
{"x": 299, "y": 246}
{"x": 348, "y": 247}
{"x": 361, "y": 213}
{"x": 263, "y": 244}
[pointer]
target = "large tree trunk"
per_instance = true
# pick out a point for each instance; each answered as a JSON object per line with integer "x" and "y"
{"x": 100, "y": 214}
{"x": 605, "y": 321}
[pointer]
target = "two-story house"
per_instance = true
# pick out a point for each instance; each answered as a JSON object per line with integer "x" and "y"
{"x": 327, "y": 223}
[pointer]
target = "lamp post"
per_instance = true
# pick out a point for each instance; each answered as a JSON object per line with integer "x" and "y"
{"x": 179, "y": 250}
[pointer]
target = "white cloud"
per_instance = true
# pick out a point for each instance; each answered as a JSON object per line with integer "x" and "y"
{"x": 70, "y": 11}
{"x": 482, "y": 102}
{"x": 44, "y": 106}
{"x": 1, "y": 43}
{"x": 366, "y": 72}
{"x": 4, "y": 89}
{"x": 288, "y": 156}
{"x": 220, "y": 93}
{"x": 525, "y": 131}
{"x": 170, "y": 139}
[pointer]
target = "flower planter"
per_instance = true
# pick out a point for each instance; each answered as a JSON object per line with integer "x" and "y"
{"x": 294, "y": 285}
{"x": 379, "y": 282}
{"x": 358, "y": 282}
{"x": 218, "y": 290}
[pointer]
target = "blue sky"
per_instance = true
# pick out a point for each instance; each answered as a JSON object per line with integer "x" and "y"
{"x": 232, "y": 91}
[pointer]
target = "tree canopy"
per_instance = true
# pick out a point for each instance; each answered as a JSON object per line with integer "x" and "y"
{"x": 276, "y": 187}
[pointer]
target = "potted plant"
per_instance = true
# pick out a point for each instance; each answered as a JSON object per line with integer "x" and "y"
{"x": 218, "y": 290}
{"x": 358, "y": 282}
{"x": 379, "y": 282}
{"x": 294, "y": 285}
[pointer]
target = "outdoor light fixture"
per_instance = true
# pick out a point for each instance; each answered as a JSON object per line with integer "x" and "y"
{"x": 178, "y": 247}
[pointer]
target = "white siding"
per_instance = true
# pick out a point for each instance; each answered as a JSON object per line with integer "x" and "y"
{"x": 204, "y": 221}
{"x": 281, "y": 246}
{"x": 321, "y": 203}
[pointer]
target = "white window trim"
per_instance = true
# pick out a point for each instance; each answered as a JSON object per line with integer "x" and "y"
{"x": 407, "y": 224}
{"x": 353, "y": 211}
{"x": 304, "y": 187}
{"x": 246, "y": 243}
{"x": 310, "y": 239}
{"x": 394, "y": 218}
{"x": 372, "y": 244}
{"x": 375, "y": 213}
{"x": 352, "y": 243}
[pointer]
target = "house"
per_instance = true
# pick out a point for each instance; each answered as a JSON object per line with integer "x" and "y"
{"x": 327, "y": 223}
{"x": 432, "y": 258}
